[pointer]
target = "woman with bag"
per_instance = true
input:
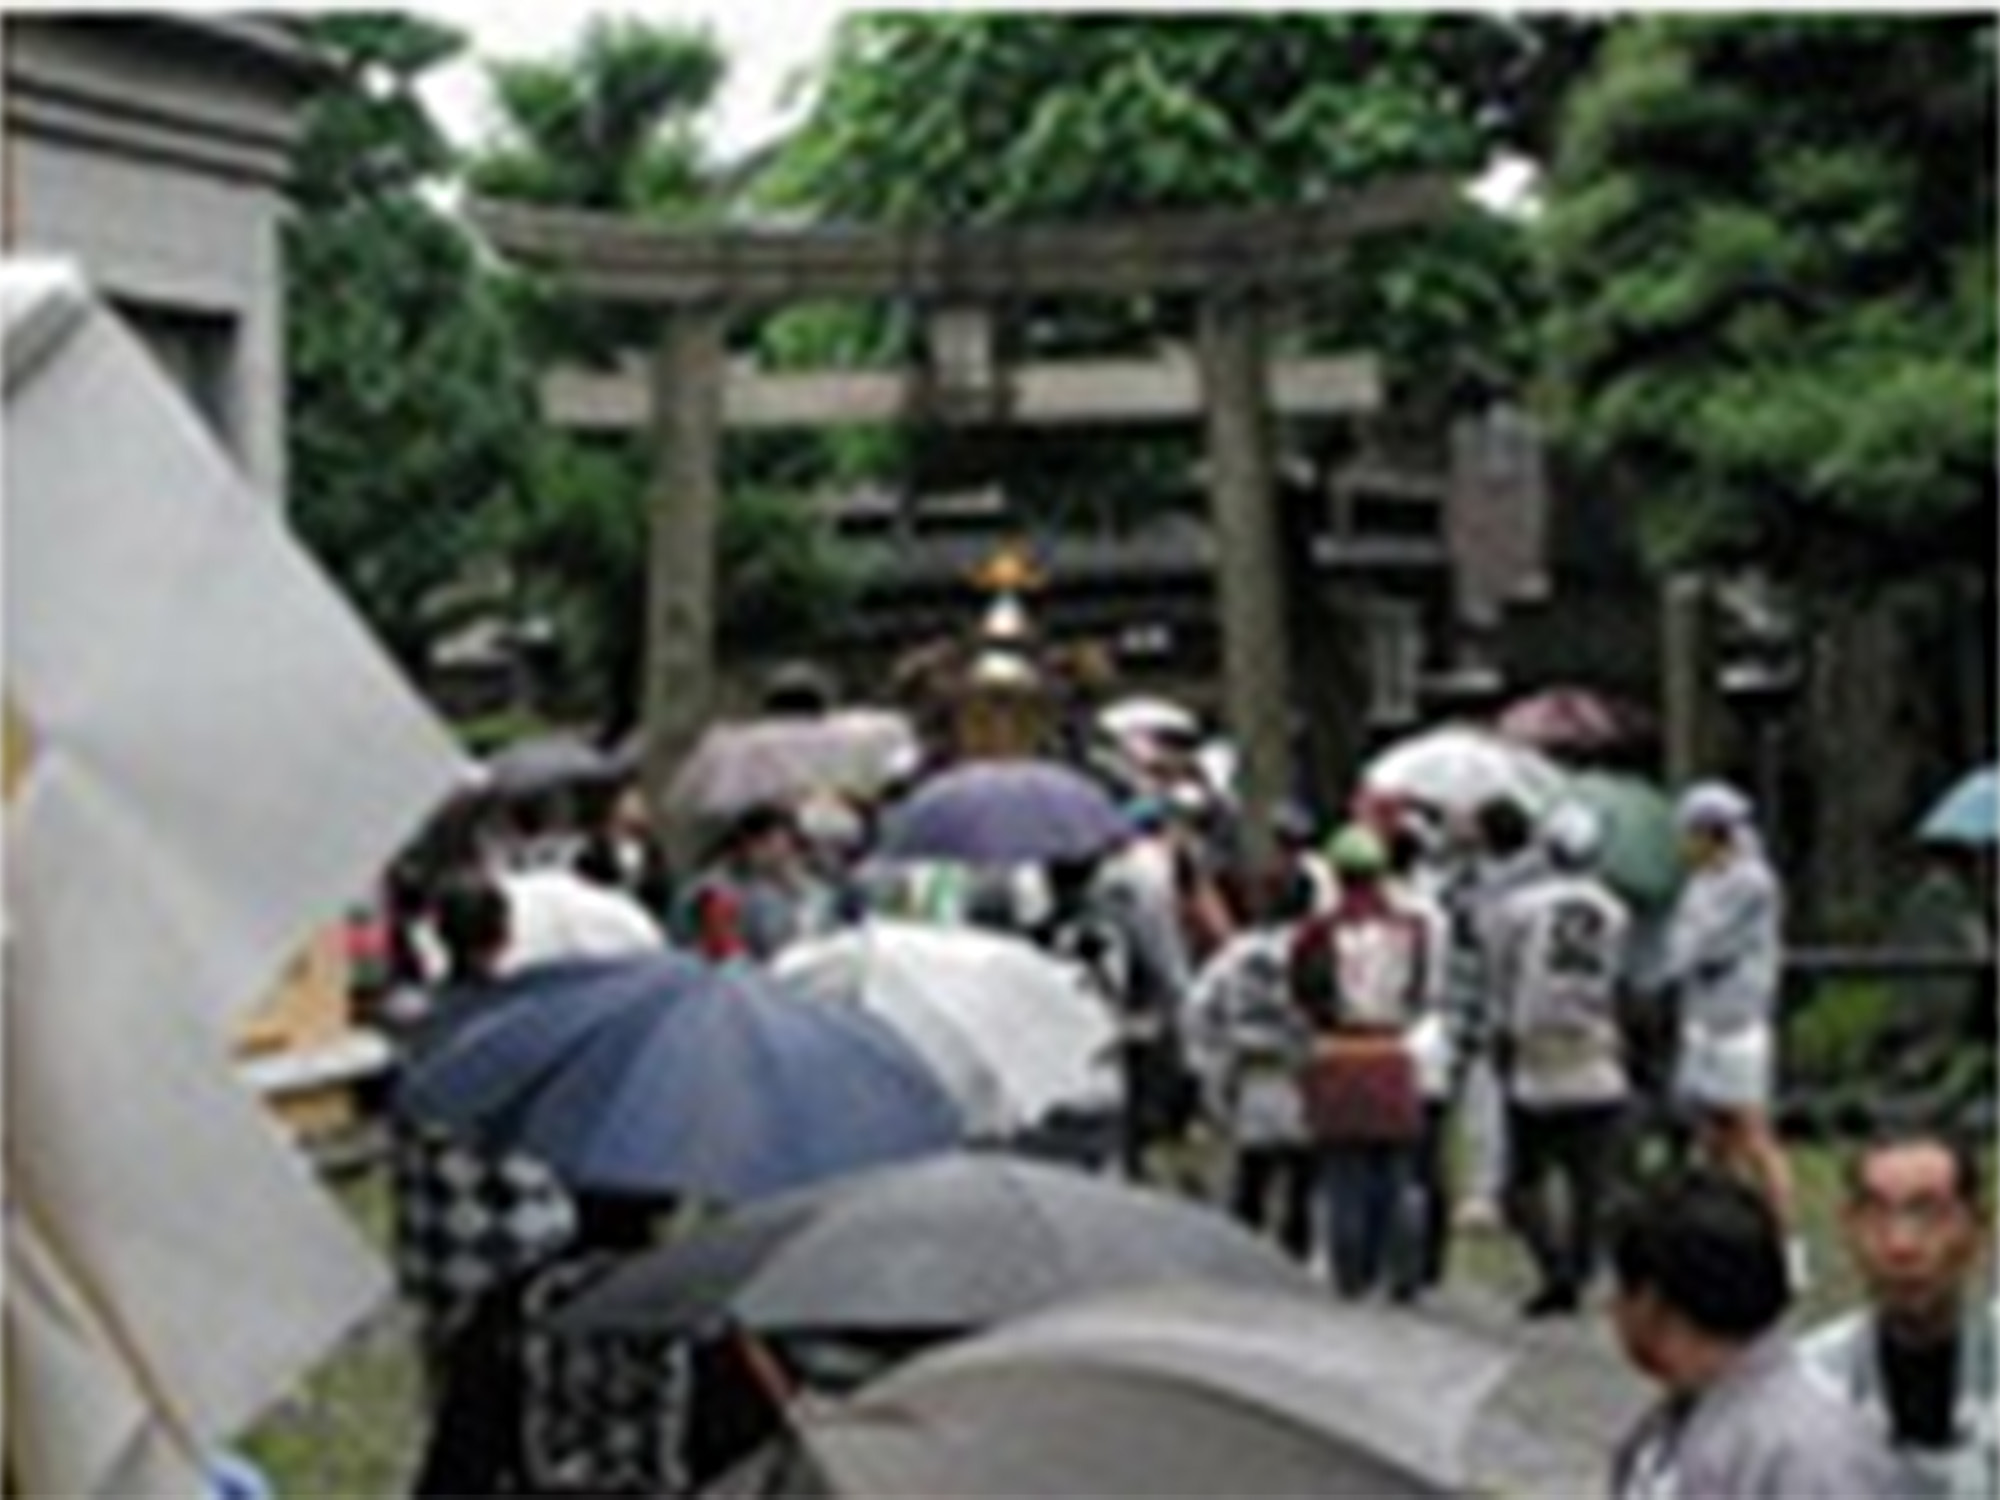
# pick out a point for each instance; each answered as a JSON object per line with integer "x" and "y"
{"x": 1358, "y": 974}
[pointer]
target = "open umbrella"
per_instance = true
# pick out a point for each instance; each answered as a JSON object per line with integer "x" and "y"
{"x": 1561, "y": 719}
{"x": 1967, "y": 814}
{"x": 1456, "y": 767}
{"x": 1173, "y": 1391}
{"x": 944, "y": 1245}
{"x": 556, "y": 914}
{"x": 547, "y": 763}
{"x": 1004, "y": 812}
{"x": 661, "y": 1074}
{"x": 1149, "y": 717}
{"x": 1011, "y": 1031}
{"x": 735, "y": 766}
{"x": 1641, "y": 850}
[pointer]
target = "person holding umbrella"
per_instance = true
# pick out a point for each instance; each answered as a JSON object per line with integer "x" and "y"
{"x": 466, "y": 1217}
{"x": 529, "y": 1408}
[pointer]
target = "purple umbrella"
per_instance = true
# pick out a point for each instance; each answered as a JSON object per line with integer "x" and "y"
{"x": 1004, "y": 812}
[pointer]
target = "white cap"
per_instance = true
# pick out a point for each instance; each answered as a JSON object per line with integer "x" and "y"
{"x": 1572, "y": 833}
{"x": 1713, "y": 805}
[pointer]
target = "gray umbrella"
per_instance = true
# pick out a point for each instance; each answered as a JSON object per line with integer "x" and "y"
{"x": 1175, "y": 1391}
{"x": 942, "y": 1245}
{"x": 547, "y": 763}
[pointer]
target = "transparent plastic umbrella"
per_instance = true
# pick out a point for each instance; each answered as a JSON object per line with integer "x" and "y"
{"x": 1010, "y": 1031}
{"x": 1969, "y": 813}
{"x": 1457, "y": 767}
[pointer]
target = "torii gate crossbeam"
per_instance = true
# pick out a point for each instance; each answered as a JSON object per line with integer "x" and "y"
{"x": 1235, "y": 263}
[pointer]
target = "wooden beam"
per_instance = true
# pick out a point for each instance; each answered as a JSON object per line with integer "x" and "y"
{"x": 1076, "y": 392}
{"x": 620, "y": 259}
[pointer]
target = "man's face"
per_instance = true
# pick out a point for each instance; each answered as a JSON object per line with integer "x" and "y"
{"x": 1701, "y": 847}
{"x": 774, "y": 852}
{"x": 1913, "y": 1234}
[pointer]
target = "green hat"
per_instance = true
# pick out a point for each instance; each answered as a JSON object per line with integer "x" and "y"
{"x": 1358, "y": 850}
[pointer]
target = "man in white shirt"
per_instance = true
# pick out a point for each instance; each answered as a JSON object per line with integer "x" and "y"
{"x": 1918, "y": 1362}
{"x": 1557, "y": 947}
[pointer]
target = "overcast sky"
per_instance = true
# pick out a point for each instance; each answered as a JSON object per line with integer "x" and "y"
{"x": 766, "y": 42}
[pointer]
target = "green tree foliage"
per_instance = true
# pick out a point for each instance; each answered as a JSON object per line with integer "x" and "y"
{"x": 1772, "y": 258}
{"x": 613, "y": 125}
{"x": 987, "y": 118}
{"x": 409, "y": 406}
{"x": 970, "y": 118}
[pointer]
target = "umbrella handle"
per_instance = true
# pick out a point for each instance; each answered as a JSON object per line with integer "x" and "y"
{"x": 765, "y": 1369}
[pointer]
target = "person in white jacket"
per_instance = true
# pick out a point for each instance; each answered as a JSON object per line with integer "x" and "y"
{"x": 1559, "y": 948}
{"x": 1918, "y": 1362}
{"x": 1246, "y": 1042}
{"x": 1724, "y": 960}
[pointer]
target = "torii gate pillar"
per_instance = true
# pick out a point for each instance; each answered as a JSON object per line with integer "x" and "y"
{"x": 680, "y": 606}
{"x": 1251, "y": 564}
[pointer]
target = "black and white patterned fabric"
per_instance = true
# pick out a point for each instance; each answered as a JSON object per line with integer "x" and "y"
{"x": 602, "y": 1414}
{"x": 467, "y": 1220}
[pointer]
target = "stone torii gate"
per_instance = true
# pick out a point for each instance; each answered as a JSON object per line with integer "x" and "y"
{"x": 1240, "y": 265}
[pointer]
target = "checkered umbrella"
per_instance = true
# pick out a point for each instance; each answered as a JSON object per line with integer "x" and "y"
{"x": 660, "y": 1074}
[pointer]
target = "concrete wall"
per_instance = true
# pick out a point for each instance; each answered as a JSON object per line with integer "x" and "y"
{"x": 154, "y": 149}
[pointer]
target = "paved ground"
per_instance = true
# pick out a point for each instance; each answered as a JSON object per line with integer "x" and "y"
{"x": 1567, "y": 1398}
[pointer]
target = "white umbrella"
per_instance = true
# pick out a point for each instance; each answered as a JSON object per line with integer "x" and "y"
{"x": 1011, "y": 1032}
{"x": 737, "y": 765}
{"x": 1456, "y": 768}
{"x": 556, "y": 913}
{"x": 1149, "y": 717}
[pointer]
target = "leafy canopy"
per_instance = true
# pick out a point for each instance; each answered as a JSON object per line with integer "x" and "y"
{"x": 610, "y": 125}
{"x": 1771, "y": 250}
{"x": 409, "y": 405}
{"x": 614, "y": 125}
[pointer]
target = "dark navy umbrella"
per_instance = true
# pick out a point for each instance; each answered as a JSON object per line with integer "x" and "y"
{"x": 657, "y": 1073}
{"x": 1004, "y": 812}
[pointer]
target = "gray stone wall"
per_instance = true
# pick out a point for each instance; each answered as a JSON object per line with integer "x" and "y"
{"x": 153, "y": 150}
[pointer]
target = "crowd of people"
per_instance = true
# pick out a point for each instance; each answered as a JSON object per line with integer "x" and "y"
{"x": 1418, "y": 1020}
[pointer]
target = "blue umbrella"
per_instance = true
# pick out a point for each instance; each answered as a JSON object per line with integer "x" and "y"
{"x": 656, "y": 1073}
{"x": 1967, "y": 814}
{"x": 1004, "y": 812}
